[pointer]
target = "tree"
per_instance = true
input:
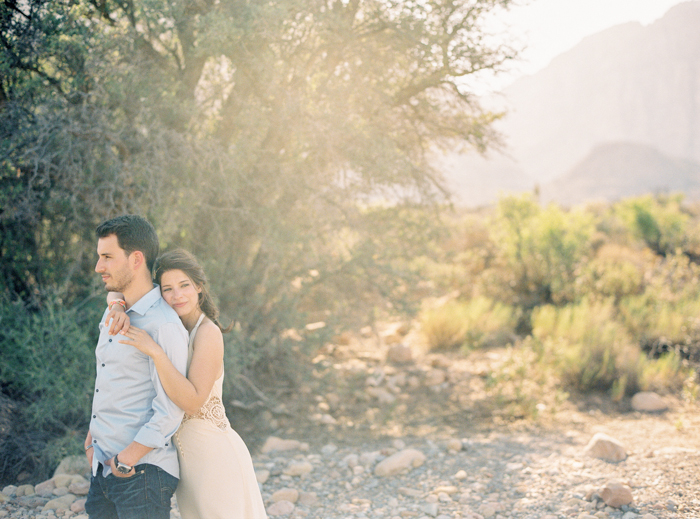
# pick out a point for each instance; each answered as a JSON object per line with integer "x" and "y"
{"x": 257, "y": 134}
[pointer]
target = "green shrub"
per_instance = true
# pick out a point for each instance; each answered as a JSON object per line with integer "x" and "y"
{"x": 541, "y": 249}
{"x": 47, "y": 377}
{"x": 589, "y": 348}
{"x": 657, "y": 220}
{"x": 475, "y": 323}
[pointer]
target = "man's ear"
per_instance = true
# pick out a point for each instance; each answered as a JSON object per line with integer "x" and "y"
{"x": 137, "y": 259}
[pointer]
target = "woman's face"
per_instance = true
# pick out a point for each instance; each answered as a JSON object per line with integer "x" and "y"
{"x": 180, "y": 292}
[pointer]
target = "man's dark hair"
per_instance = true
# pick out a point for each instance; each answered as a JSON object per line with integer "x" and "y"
{"x": 134, "y": 233}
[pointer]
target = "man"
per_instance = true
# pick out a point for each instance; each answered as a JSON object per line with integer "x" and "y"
{"x": 129, "y": 445}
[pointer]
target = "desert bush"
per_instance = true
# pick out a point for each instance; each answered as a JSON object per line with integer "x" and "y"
{"x": 541, "y": 250}
{"x": 616, "y": 271}
{"x": 475, "y": 323}
{"x": 47, "y": 377}
{"x": 658, "y": 221}
{"x": 589, "y": 348}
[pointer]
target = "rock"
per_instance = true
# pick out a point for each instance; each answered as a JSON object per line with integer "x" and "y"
{"x": 262, "y": 475}
{"x": 381, "y": 394}
{"x": 3, "y": 498}
{"x": 329, "y": 449}
{"x": 60, "y": 503}
{"x": 285, "y": 494}
{"x": 616, "y": 494}
{"x": 630, "y": 515}
{"x": 45, "y": 488}
{"x": 278, "y": 444}
{"x": 461, "y": 474}
{"x": 298, "y": 468}
{"x": 399, "y": 462}
{"x": 308, "y": 498}
{"x": 488, "y": 510}
{"x": 649, "y": 402}
{"x": 454, "y": 445}
{"x": 430, "y": 509}
{"x": 79, "y": 488}
{"x": 25, "y": 490}
{"x": 280, "y": 508}
{"x": 78, "y": 505}
{"x": 73, "y": 465}
{"x": 606, "y": 448}
{"x": 10, "y": 491}
{"x": 60, "y": 491}
{"x": 435, "y": 377}
{"x": 399, "y": 354}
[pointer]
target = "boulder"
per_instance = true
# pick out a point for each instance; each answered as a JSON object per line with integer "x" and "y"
{"x": 606, "y": 448}
{"x": 280, "y": 508}
{"x": 616, "y": 494}
{"x": 648, "y": 402}
{"x": 399, "y": 462}
{"x": 399, "y": 354}
{"x": 73, "y": 465}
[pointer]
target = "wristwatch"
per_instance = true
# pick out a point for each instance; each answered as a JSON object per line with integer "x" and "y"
{"x": 122, "y": 468}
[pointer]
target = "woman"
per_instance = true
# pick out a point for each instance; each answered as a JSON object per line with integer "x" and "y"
{"x": 217, "y": 478}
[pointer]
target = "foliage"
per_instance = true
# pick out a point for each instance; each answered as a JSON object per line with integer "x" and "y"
{"x": 659, "y": 221}
{"x": 540, "y": 249}
{"x": 475, "y": 323}
{"x": 47, "y": 377}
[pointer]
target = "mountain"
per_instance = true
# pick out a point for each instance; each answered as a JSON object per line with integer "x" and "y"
{"x": 630, "y": 83}
{"x": 619, "y": 169}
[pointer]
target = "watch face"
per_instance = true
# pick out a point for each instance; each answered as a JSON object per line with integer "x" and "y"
{"x": 123, "y": 468}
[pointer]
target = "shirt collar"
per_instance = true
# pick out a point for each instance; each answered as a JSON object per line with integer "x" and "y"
{"x": 147, "y": 301}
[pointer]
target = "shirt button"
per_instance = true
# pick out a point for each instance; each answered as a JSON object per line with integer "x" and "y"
{"x": 166, "y": 444}
{"x": 103, "y": 365}
{"x": 110, "y": 340}
{"x": 94, "y": 416}
{"x": 97, "y": 390}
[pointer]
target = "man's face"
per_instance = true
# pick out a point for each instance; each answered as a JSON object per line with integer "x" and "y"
{"x": 113, "y": 264}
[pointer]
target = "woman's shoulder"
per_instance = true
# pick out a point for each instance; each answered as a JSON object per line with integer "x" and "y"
{"x": 208, "y": 331}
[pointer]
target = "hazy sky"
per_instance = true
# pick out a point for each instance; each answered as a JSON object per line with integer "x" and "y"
{"x": 550, "y": 27}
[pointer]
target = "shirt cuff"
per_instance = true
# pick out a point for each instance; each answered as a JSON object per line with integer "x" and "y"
{"x": 150, "y": 438}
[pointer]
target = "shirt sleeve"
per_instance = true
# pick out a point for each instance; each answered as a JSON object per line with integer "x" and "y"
{"x": 166, "y": 417}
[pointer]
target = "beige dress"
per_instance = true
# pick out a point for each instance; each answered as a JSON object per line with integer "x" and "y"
{"x": 217, "y": 478}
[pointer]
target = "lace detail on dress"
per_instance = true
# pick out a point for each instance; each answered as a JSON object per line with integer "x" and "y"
{"x": 213, "y": 411}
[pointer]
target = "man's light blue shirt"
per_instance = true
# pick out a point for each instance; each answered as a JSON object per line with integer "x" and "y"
{"x": 129, "y": 402}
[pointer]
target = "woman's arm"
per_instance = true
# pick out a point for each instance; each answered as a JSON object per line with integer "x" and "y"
{"x": 190, "y": 393}
{"x": 117, "y": 314}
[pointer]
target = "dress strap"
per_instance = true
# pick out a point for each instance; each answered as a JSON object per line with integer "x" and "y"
{"x": 194, "y": 330}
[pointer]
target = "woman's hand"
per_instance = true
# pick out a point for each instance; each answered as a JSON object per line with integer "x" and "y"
{"x": 140, "y": 340}
{"x": 120, "y": 321}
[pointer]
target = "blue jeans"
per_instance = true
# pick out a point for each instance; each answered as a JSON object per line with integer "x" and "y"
{"x": 145, "y": 495}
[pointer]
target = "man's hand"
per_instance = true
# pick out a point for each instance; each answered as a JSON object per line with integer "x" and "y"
{"x": 120, "y": 321}
{"x": 89, "y": 450}
{"x": 119, "y": 474}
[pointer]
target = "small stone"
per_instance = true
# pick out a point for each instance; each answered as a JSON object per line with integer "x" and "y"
{"x": 278, "y": 444}
{"x": 45, "y": 488}
{"x": 25, "y": 490}
{"x": 328, "y": 449}
{"x": 430, "y": 509}
{"x": 649, "y": 402}
{"x": 399, "y": 354}
{"x": 615, "y": 494}
{"x": 262, "y": 475}
{"x": 454, "y": 445}
{"x": 73, "y": 465}
{"x": 286, "y": 494}
{"x": 629, "y": 515}
{"x": 461, "y": 474}
{"x": 487, "y": 510}
{"x": 280, "y": 508}
{"x": 10, "y": 491}
{"x": 298, "y": 468}
{"x": 78, "y": 505}
{"x": 435, "y": 377}
{"x": 381, "y": 394}
{"x": 60, "y": 491}
{"x": 606, "y": 448}
{"x": 60, "y": 503}
{"x": 308, "y": 498}
{"x": 399, "y": 462}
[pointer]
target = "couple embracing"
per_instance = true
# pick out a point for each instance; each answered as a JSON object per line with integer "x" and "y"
{"x": 158, "y": 423}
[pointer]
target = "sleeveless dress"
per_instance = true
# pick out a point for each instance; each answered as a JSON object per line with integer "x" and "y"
{"x": 217, "y": 478}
